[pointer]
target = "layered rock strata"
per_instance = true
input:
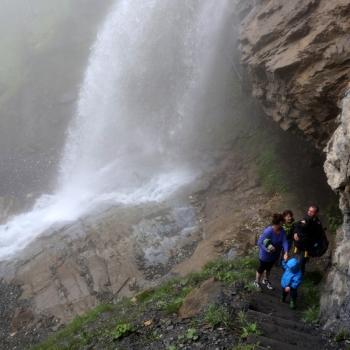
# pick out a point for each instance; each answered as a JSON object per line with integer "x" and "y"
{"x": 296, "y": 55}
{"x": 297, "y": 58}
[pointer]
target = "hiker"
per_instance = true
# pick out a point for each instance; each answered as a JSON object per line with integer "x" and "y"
{"x": 291, "y": 280}
{"x": 288, "y": 226}
{"x": 309, "y": 237}
{"x": 270, "y": 244}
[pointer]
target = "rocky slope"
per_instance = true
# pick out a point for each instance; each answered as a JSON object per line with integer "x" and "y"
{"x": 296, "y": 55}
{"x": 121, "y": 251}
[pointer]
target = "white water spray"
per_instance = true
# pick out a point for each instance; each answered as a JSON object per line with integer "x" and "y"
{"x": 155, "y": 72}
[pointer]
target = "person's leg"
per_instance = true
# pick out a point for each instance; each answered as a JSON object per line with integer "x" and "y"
{"x": 259, "y": 274}
{"x": 293, "y": 298}
{"x": 258, "y": 277}
{"x": 268, "y": 274}
{"x": 284, "y": 295}
{"x": 293, "y": 294}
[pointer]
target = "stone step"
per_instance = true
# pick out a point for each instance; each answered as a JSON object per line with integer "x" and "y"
{"x": 271, "y": 344}
{"x": 273, "y": 307}
{"x": 300, "y": 339}
{"x": 284, "y": 322}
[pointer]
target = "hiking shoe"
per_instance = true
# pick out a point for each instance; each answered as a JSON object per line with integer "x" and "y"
{"x": 268, "y": 284}
{"x": 257, "y": 286}
{"x": 292, "y": 305}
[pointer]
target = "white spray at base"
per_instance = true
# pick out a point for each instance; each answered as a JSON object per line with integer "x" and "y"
{"x": 154, "y": 74}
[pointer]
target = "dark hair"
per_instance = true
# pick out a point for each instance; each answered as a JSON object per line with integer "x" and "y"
{"x": 287, "y": 212}
{"x": 314, "y": 206}
{"x": 277, "y": 219}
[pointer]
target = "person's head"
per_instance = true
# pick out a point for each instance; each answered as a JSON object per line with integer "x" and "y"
{"x": 288, "y": 216}
{"x": 313, "y": 211}
{"x": 276, "y": 222}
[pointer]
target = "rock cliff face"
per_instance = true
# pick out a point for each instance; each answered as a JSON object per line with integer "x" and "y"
{"x": 296, "y": 55}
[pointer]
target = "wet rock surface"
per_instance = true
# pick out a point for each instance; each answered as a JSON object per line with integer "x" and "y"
{"x": 297, "y": 58}
{"x": 296, "y": 55}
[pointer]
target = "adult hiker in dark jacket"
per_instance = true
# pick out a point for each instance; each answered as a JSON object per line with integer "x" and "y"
{"x": 309, "y": 237}
{"x": 270, "y": 244}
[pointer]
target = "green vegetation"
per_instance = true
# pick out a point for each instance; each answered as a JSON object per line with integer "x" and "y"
{"x": 273, "y": 169}
{"x": 334, "y": 217}
{"x": 271, "y": 174}
{"x": 192, "y": 334}
{"x": 126, "y": 317}
{"x": 217, "y": 315}
{"x": 247, "y": 328}
{"x": 122, "y": 330}
{"x": 171, "y": 347}
{"x": 342, "y": 335}
{"x": 310, "y": 300}
{"x": 311, "y": 314}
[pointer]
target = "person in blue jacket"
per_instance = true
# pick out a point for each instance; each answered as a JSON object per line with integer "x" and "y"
{"x": 270, "y": 244}
{"x": 291, "y": 280}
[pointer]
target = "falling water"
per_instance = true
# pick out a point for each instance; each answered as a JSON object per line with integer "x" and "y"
{"x": 156, "y": 74}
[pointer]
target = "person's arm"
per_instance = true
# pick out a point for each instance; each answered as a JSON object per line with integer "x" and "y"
{"x": 284, "y": 242}
{"x": 284, "y": 264}
{"x": 296, "y": 280}
{"x": 263, "y": 236}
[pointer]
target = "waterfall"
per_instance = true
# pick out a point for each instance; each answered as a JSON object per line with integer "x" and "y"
{"x": 158, "y": 77}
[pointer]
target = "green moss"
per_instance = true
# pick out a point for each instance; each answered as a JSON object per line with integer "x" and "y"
{"x": 272, "y": 177}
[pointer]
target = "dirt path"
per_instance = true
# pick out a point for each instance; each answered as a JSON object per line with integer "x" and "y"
{"x": 281, "y": 327}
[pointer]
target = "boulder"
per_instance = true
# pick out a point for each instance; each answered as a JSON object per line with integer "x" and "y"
{"x": 198, "y": 300}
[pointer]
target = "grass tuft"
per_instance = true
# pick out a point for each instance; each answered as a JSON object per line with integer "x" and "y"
{"x": 217, "y": 315}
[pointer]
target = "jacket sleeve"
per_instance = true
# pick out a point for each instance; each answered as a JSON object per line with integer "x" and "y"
{"x": 296, "y": 280}
{"x": 285, "y": 241}
{"x": 284, "y": 265}
{"x": 263, "y": 236}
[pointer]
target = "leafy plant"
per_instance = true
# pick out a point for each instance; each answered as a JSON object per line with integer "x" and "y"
{"x": 122, "y": 330}
{"x": 250, "y": 328}
{"x": 247, "y": 328}
{"x": 192, "y": 334}
{"x": 171, "y": 347}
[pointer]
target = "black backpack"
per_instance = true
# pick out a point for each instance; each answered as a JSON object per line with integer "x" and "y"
{"x": 319, "y": 247}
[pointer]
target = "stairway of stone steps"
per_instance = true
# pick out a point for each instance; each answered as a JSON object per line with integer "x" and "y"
{"x": 282, "y": 328}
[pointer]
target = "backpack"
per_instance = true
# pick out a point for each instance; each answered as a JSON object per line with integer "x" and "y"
{"x": 319, "y": 247}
